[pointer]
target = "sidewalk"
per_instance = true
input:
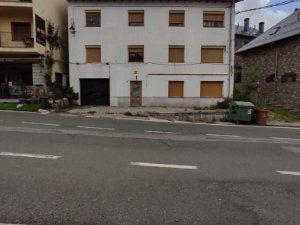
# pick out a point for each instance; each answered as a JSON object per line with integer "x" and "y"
{"x": 172, "y": 114}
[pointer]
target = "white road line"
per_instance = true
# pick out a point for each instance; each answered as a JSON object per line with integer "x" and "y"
{"x": 39, "y": 156}
{"x": 159, "y": 132}
{"x": 223, "y": 135}
{"x": 164, "y": 165}
{"x": 96, "y": 128}
{"x": 281, "y": 138}
{"x": 91, "y": 116}
{"x": 289, "y": 173}
{"x": 44, "y": 124}
{"x": 11, "y": 224}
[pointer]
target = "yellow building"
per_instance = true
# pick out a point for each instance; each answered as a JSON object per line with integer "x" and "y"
{"x": 24, "y": 45}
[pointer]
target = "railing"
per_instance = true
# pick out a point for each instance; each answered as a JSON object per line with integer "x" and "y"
{"x": 16, "y": 40}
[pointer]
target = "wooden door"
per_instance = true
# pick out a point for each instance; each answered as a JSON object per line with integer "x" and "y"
{"x": 136, "y": 93}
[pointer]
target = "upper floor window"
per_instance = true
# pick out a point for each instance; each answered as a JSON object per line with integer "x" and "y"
{"x": 176, "y": 18}
{"x": 212, "y": 54}
{"x": 20, "y": 31}
{"x": 93, "y": 18}
{"x": 213, "y": 19}
{"x": 136, "y": 18}
{"x": 93, "y": 53}
{"x": 136, "y": 53}
{"x": 176, "y": 53}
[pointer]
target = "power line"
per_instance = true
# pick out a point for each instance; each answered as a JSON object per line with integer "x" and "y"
{"x": 268, "y": 6}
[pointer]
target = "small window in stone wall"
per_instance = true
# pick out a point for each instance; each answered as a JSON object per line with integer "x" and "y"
{"x": 270, "y": 78}
{"x": 238, "y": 74}
{"x": 289, "y": 77}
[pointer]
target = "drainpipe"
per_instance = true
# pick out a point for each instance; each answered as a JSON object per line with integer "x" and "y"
{"x": 276, "y": 69}
{"x": 230, "y": 69}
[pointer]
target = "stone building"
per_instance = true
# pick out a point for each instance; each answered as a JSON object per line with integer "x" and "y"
{"x": 275, "y": 57}
{"x": 243, "y": 35}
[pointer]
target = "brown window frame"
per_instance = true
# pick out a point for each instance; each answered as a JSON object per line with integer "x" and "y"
{"x": 176, "y": 24}
{"x": 136, "y": 23}
{"x": 137, "y": 50}
{"x": 176, "y": 47}
{"x": 213, "y": 23}
{"x": 170, "y": 91}
{"x": 202, "y": 95}
{"x": 23, "y": 36}
{"x": 212, "y": 47}
{"x": 92, "y": 24}
{"x": 93, "y": 47}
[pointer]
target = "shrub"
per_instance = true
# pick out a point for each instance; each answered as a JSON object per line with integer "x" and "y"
{"x": 69, "y": 94}
{"x": 224, "y": 104}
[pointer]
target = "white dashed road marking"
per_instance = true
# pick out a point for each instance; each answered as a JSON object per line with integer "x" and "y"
{"x": 96, "y": 128}
{"x": 44, "y": 124}
{"x": 281, "y": 138}
{"x": 289, "y": 173}
{"x": 26, "y": 155}
{"x": 172, "y": 166}
{"x": 159, "y": 132}
{"x": 11, "y": 224}
{"x": 91, "y": 116}
{"x": 223, "y": 135}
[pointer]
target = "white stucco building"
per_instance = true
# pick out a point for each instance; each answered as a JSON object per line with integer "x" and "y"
{"x": 151, "y": 53}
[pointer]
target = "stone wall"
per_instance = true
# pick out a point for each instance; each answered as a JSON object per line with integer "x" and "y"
{"x": 38, "y": 74}
{"x": 263, "y": 61}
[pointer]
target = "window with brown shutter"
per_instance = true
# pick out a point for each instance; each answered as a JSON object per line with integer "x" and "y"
{"x": 212, "y": 54}
{"x": 93, "y": 18}
{"x": 176, "y": 18}
{"x": 213, "y": 19}
{"x": 135, "y": 18}
{"x": 20, "y": 31}
{"x": 176, "y": 89}
{"x": 211, "y": 89}
{"x": 136, "y": 53}
{"x": 176, "y": 53}
{"x": 93, "y": 53}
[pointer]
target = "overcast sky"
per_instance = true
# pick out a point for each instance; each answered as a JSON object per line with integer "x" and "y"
{"x": 269, "y": 16}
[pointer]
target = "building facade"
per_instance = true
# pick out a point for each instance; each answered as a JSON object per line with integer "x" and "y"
{"x": 23, "y": 44}
{"x": 153, "y": 53}
{"x": 275, "y": 57}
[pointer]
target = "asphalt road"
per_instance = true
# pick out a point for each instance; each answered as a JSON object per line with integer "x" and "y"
{"x": 63, "y": 169}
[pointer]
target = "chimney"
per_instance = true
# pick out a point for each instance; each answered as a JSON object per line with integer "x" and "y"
{"x": 246, "y": 24}
{"x": 261, "y": 29}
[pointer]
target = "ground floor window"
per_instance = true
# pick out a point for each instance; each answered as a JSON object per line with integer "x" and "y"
{"x": 211, "y": 89}
{"x": 176, "y": 89}
{"x": 14, "y": 74}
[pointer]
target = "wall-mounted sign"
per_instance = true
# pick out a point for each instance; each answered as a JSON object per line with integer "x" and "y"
{"x": 40, "y": 26}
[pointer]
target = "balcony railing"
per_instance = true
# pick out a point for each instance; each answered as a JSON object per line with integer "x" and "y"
{"x": 13, "y": 40}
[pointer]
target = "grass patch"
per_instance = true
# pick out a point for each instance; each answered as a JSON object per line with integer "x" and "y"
{"x": 32, "y": 107}
{"x": 8, "y": 106}
{"x": 283, "y": 115}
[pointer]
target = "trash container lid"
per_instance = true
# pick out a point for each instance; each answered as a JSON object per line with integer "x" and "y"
{"x": 243, "y": 104}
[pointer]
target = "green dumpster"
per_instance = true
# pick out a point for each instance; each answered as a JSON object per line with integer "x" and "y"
{"x": 240, "y": 111}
